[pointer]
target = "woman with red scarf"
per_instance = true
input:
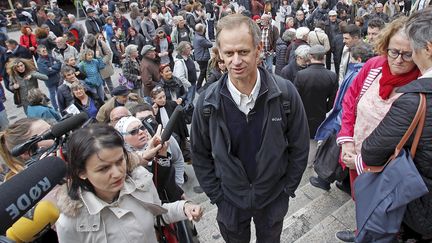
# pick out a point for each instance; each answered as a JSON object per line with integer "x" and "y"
{"x": 371, "y": 95}
{"x": 28, "y": 39}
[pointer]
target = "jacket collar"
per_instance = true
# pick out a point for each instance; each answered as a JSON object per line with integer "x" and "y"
{"x": 316, "y": 65}
{"x": 421, "y": 85}
{"x": 139, "y": 179}
{"x": 212, "y": 97}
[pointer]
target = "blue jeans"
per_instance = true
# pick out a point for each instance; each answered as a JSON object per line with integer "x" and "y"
{"x": 99, "y": 90}
{"x": 4, "y": 122}
{"x": 53, "y": 96}
{"x": 268, "y": 62}
{"x": 191, "y": 93}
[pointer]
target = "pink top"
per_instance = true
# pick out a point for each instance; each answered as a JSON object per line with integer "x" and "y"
{"x": 371, "y": 109}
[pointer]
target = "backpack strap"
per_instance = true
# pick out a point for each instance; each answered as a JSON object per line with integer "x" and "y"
{"x": 285, "y": 102}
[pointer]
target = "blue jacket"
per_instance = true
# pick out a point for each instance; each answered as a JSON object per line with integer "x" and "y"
{"x": 51, "y": 67}
{"x": 92, "y": 70}
{"x": 333, "y": 121}
{"x": 201, "y": 47}
{"x": 45, "y": 112}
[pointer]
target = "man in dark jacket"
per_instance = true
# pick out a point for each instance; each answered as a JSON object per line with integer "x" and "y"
{"x": 51, "y": 67}
{"x": 64, "y": 92}
{"x": 317, "y": 87}
{"x": 54, "y": 25}
{"x": 93, "y": 24}
{"x": 334, "y": 33}
{"x": 201, "y": 47}
{"x": 249, "y": 140}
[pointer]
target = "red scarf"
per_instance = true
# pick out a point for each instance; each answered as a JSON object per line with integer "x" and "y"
{"x": 389, "y": 81}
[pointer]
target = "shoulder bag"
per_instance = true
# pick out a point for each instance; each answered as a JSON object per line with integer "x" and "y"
{"x": 383, "y": 192}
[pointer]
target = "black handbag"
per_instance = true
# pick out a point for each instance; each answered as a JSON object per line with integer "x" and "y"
{"x": 188, "y": 112}
{"x": 17, "y": 97}
{"x": 326, "y": 163}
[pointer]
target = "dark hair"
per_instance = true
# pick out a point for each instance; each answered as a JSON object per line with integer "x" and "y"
{"x": 363, "y": 51}
{"x": 140, "y": 107}
{"x": 36, "y": 97}
{"x": 376, "y": 23}
{"x": 351, "y": 29}
{"x": 66, "y": 69}
{"x": 11, "y": 42}
{"x": 83, "y": 144}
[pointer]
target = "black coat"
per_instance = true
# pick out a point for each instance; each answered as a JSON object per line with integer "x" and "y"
{"x": 93, "y": 26}
{"x": 380, "y": 145}
{"x": 281, "y": 60}
{"x": 317, "y": 87}
{"x": 290, "y": 71}
{"x": 55, "y": 27}
{"x": 180, "y": 127}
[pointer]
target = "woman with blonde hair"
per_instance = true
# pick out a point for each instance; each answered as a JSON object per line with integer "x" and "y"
{"x": 23, "y": 77}
{"x": 16, "y": 134}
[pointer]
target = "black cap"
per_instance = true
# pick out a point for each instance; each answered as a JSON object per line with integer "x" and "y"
{"x": 90, "y": 10}
{"x": 120, "y": 91}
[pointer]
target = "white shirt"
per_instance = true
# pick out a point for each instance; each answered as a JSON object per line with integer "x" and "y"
{"x": 164, "y": 116}
{"x": 244, "y": 102}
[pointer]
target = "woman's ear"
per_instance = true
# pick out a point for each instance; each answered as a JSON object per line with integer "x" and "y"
{"x": 83, "y": 176}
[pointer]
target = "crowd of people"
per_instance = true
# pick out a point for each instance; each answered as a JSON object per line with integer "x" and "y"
{"x": 259, "y": 83}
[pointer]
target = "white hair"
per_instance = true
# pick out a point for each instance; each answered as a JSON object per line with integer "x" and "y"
{"x": 302, "y": 32}
{"x": 302, "y": 51}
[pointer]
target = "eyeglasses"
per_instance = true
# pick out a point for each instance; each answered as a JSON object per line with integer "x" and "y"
{"x": 135, "y": 131}
{"x": 394, "y": 53}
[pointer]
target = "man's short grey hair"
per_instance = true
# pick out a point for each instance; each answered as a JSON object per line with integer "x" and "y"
{"x": 129, "y": 49}
{"x": 233, "y": 21}
{"x": 181, "y": 47}
{"x": 302, "y": 32}
{"x": 302, "y": 51}
{"x": 200, "y": 28}
{"x": 50, "y": 14}
{"x": 71, "y": 16}
{"x": 288, "y": 35}
{"x": 418, "y": 28}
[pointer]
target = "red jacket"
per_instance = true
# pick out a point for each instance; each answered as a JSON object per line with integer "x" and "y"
{"x": 349, "y": 103}
{"x": 28, "y": 40}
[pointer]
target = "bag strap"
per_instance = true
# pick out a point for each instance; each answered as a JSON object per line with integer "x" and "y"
{"x": 418, "y": 121}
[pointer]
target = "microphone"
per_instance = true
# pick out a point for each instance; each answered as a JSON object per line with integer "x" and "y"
{"x": 169, "y": 128}
{"x": 34, "y": 223}
{"x": 56, "y": 131}
{"x": 24, "y": 190}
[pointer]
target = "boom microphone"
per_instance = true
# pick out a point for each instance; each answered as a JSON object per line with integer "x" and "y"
{"x": 34, "y": 223}
{"x": 24, "y": 190}
{"x": 56, "y": 131}
{"x": 169, "y": 128}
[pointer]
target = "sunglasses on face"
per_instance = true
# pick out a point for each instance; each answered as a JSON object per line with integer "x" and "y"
{"x": 135, "y": 131}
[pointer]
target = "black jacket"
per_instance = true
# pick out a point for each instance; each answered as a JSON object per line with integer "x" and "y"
{"x": 180, "y": 127}
{"x": 380, "y": 145}
{"x": 55, "y": 27}
{"x": 281, "y": 159}
{"x": 317, "y": 87}
{"x": 281, "y": 60}
{"x": 93, "y": 26}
